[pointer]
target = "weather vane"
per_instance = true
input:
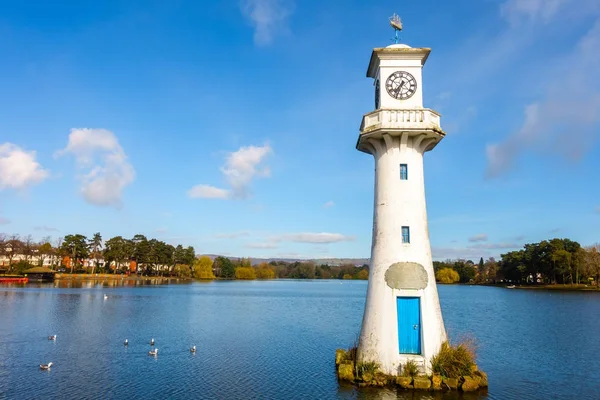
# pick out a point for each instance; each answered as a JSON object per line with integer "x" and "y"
{"x": 396, "y": 23}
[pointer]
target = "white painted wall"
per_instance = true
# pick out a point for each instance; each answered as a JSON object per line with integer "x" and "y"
{"x": 399, "y": 203}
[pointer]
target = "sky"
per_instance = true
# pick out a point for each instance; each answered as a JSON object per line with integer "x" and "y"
{"x": 231, "y": 126}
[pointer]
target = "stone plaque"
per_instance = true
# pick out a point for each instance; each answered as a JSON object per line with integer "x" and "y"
{"x": 406, "y": 275}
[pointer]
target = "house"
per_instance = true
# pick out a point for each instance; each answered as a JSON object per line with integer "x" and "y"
{"x": 39, "y": 274}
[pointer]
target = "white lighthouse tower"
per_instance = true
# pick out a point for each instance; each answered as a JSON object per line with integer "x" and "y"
{"x": 402, "y": 319}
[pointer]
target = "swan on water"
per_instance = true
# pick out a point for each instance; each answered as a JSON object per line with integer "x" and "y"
{"x": 126, "y": 342}
{"x": 105, "y": 296}
{"x": 45, "y": 366}
{"x": 153, "y": 352}
{"x": 152, "y": 342}
{"x": 193, "y": 349}
{"x": 52, "y": 337}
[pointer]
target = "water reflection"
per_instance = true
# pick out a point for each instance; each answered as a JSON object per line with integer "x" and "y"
{"x": 123, "y": 282}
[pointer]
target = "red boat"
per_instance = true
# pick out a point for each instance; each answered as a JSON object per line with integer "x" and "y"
{"x": 13, "y": 279}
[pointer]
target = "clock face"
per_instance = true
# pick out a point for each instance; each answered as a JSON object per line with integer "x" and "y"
{"x": 401, "y": 85}
{"x": 377, "y": 94}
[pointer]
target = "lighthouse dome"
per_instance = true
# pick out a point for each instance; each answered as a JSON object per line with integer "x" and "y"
{"x": 398, "y": 46}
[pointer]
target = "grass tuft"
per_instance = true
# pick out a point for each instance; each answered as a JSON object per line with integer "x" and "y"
{"x": 410, "y": 369}
{"x": 370, "y": 367}
{"x": 454, "y": 361}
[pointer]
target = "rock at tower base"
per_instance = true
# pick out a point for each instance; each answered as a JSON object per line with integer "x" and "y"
{"x": 368, "y": 374}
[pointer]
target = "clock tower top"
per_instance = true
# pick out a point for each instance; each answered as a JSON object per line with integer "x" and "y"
{"x": 397, "y": 70}
{"x": 399, "y": 111}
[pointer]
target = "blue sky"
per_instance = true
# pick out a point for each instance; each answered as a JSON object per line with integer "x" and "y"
{"x": 231, "y": 125}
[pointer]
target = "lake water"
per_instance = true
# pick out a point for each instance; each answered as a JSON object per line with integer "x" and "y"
{"x": 275, "y": 340}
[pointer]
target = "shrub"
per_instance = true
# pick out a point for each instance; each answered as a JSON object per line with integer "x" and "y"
{"x": 410, "y": 369}
{"x": 245, "y": 273}
{"x": 182, "y": 271}
{"x": 347, "y": 276}
{"x": 21, "y": 266}
{"x": 363, "y": 274}
{"x": 454, "y": 361}
{"x": 447, "y": 275}
{"x": 264, "y": 271}
{"x": 367, "y": 367}
{"x": 203, "y": 268}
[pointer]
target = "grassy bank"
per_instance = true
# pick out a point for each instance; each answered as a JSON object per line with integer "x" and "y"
{"x": 65, "y": 276}
{"x": 566, "y": 287}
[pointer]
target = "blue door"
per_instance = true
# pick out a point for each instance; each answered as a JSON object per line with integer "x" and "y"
{"x": 409, "y": 325}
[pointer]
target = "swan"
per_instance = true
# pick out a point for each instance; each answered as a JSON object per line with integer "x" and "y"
{"x": 126, "y": 342}
{"x": 152, "y": 342}
{"x": 45, "y": 366}
{"x": 193, "y": 349}
{"x": 153, "y": 352}
{"x": 52, "y": 337}
{"x": 105, "y": 296}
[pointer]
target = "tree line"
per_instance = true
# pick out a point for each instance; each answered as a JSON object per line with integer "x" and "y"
{"x": 554, "y": 261}
{"x": 151, "y": 256}
{"x": 241, "y": 268}
{"x": 76, "y": 253}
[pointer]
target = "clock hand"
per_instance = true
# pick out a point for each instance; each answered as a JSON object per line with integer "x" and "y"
{"x": 400, "y": 87}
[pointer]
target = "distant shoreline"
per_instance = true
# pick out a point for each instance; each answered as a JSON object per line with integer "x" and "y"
{"x": 558, "y": 286}
{"x": 66, "y": 276}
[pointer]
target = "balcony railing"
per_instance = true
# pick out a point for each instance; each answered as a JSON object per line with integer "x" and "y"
{"x": 410, "y": 119}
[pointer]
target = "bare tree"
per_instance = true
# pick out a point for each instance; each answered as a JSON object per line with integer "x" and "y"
{"x": 28, "y": 248}
{"x": 45, "y": 250}
{"x": 3, "y": 246}
{"x": 592, "y": 261}
{"x": 56, "y": 256}
{"x": 13, "y": 247}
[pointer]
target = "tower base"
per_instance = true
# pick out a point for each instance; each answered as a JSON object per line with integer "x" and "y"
{"x": 367, "y": 374}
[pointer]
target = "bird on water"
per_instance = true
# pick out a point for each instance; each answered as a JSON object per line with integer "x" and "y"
{"x": 45, "y": 366}
{"x": 52, "y": 337}
{"x": 153, "y": 352}
{"x": 152, "y": 342}
{"x": 193, "y": 349}
{"x": 126, "y": 342}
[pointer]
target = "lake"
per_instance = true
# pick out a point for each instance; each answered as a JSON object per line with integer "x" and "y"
{"x": 275, "y": 340}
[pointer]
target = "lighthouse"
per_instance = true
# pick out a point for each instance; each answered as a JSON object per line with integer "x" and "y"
{"x": 402, "y": 318}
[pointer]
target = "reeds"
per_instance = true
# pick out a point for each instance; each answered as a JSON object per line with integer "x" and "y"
{"x": 454, "y": 361}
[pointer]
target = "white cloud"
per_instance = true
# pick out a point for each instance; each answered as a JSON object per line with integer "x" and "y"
{"x": 567, "y": 120}
{"x": 262, "y": 245}
{"x": 322, "y": 237}
{"x": 45, "y": 228}
{"x": 330, "y": 203}
{"x": 521, "y": 12}
{"x": 493, "y": 246}
{"x": 4, "y": 221}
{"x": 482, "y": 237}
{"x": 240, "y": 169}
{"x": 517, "y": 11}
{"x": 484, "y": 250}
{"x": 19, "y": 168}
{"x": 455, "y": 253}
{"x": 208, "y": 192}
{"x": 268, "y": 17}
{"x": 232, "y": 235}
{"x": 108, "y": 172}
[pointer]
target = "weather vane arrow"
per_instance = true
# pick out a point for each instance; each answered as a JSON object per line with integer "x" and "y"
{"x": 396, "y": 23}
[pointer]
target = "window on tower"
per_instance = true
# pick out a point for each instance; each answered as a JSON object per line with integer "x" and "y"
{"x": 405, "y": 234}
{"x": 403, "y": 172}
